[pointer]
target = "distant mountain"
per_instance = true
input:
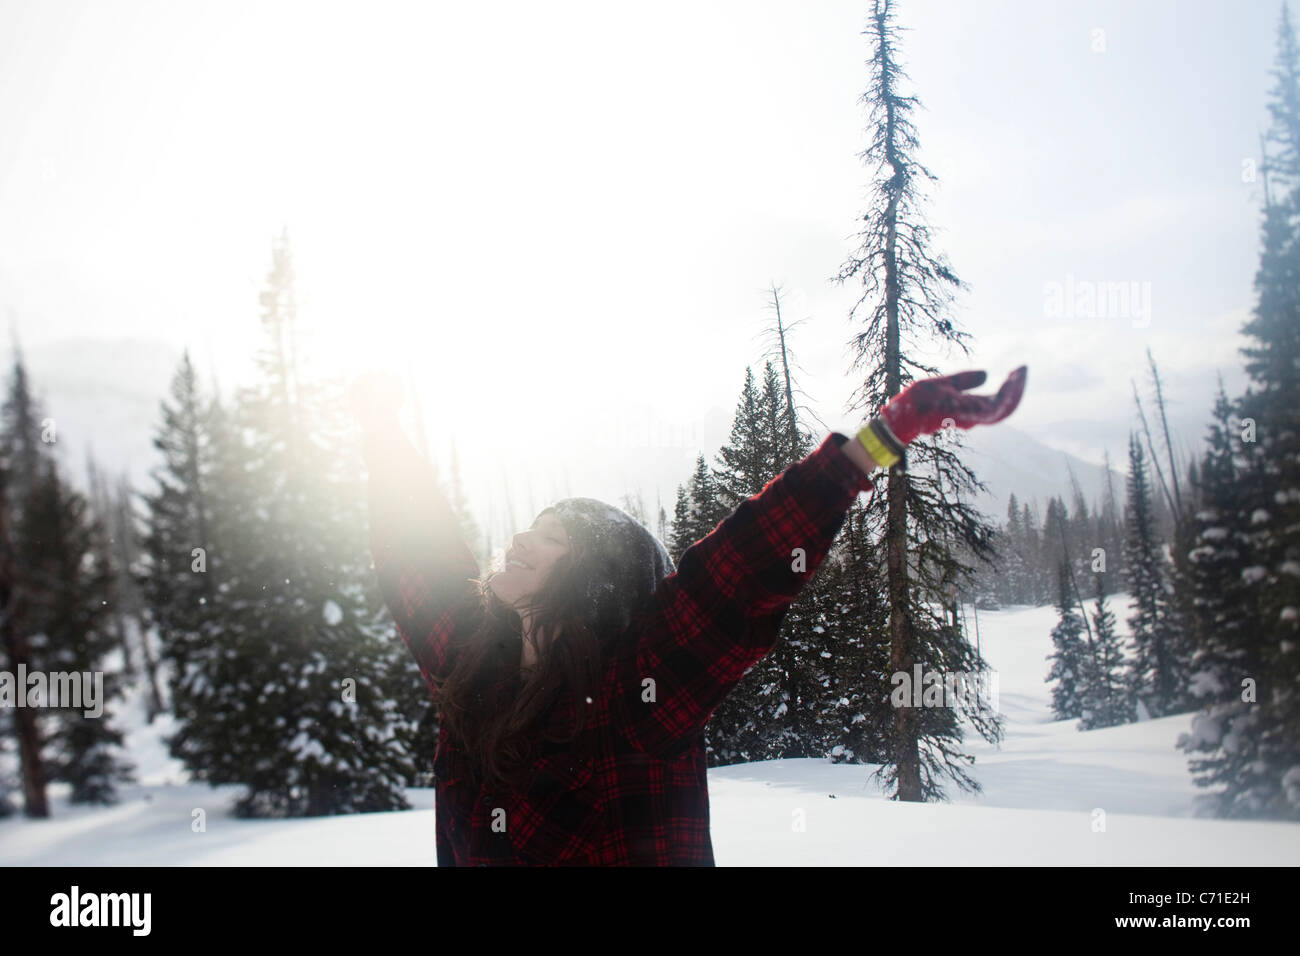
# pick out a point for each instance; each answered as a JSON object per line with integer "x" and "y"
{"x": 1010, "y": 460}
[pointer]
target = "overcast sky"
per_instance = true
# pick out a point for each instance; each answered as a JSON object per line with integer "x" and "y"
{"x": 560, "y": 218}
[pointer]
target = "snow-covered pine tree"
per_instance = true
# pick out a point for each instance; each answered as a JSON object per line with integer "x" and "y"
{"x": 837, "y": 701}
{"x": 797, "y": 674}
{"x": 23, "y": 457}
{"x": 1071, "y": 657}
{"x": 745, "y": 725}
{"x": 705, "y": 509}
{"x": 1104, "y": 692}
{"x": 677, "y": 540}
{"x": 1104, "y": 696}
{"x": 856, "y": 716}
{"x": 67, "y": 611}
{"x": 1229, "y": 635}
{"x": 296, "y": 688}
{"x": 745, "y": 462}
{"x": 181, "y": 563}
{"x": 1264, "y": 741}
{"x": 1157, "y": 677}
{"x": 925, "y": 509}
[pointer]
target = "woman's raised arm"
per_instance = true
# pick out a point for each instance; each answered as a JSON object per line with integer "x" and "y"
{"x": 424, "y": 568}
{"x": 721, "y": 612}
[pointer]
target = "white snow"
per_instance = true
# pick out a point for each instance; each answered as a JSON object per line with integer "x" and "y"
{"x": 1253, "y": 574}
{"x": 332, "y": 613}
{"x": 1047, "y": 792}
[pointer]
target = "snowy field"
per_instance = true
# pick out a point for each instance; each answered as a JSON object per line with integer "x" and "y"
{"x": 1044, "y": 791}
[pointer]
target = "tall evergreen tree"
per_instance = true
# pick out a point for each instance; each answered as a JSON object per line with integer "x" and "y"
{"x": 67, "y": 613}
{"x": 750, "y": 723}
{"x": 22, "y": 721}
{"x": 745, "y": 462}
{"x": 176, "y": 579}
{"x": 25, "y": 437}
{"x": 1251, "y": 744}
{"x": 1229, "y": 633}
{"x": 907, "y": 288}
{"x": 296, "y": 689}
{"x": 1010, "y": 549}
{"x": 1157, "y": 676}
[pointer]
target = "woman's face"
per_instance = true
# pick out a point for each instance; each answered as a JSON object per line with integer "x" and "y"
{"x": 530, "y": 559}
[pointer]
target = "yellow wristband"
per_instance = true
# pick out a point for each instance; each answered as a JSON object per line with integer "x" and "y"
{"x": 876, "y": 448}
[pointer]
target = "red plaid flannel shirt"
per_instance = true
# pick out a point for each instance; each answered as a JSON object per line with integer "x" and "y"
{"x": 633, "y": 789}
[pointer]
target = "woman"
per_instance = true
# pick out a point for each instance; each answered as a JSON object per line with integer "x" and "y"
{"x": 574, "y": 684}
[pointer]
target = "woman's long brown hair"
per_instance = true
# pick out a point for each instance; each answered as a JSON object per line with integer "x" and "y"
{"x": 499, "y": 736}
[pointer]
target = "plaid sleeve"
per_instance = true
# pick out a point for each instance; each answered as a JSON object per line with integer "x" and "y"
{"x": 424, "y": 568}
{"x": 721, "y": 612}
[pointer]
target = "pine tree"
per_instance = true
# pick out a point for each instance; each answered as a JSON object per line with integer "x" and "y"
{"x": 26, "y": 433}
{"x": 704, "y": 512}
{"x": 1157, "y": 676}
{"x": 23, "y": 457}
{"x": 179, "y": 540}
{"x": 751, "y": 721}
{"x": 1104, "y": 698}
{"x": 928, "y": 522}
{"x": 1070, "y": 657}
{"x": 1251, "y": 736}
{"x": 786, "y": 699}
{"x": 857, "y": 717}
{"x": 745, "y": 462}
{"x": 1010, "y": 547}
{"x": 1036, "y": 581}
{"x": 69, "y": 591}
{"x": 1222, "y": 744}
{"x": 23, "y": 723}
{"x": 296, "y": 688}
{"x": 679, "y": 539}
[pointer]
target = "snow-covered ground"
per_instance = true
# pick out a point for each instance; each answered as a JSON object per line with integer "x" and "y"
{"x": 1052, "y": 796}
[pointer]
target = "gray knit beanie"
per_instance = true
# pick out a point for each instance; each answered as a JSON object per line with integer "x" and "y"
{"x": 622, "y": 561}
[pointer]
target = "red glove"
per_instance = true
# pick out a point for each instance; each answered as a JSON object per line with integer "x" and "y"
{"x": 932, "y": 404}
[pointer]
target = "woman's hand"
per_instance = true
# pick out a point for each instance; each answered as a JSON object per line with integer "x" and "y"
{"x": 932, "y": 404}
{"x": 375, "y": 396}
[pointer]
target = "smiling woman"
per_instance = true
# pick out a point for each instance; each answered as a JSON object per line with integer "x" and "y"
{"x": 574, "y": 684}
{"x": 529, "y": 563}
